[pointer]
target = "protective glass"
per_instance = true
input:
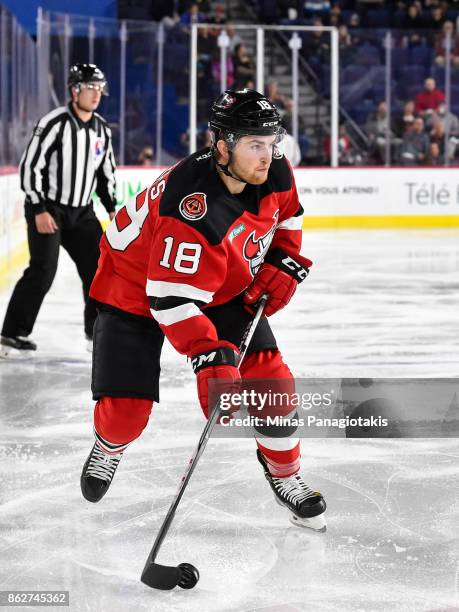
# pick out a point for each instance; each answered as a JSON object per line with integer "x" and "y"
{"x": 97, "y": 86}
{"x": 232, "y": 138}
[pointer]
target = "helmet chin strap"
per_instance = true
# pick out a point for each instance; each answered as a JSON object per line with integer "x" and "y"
{"x": 225, "y": 169}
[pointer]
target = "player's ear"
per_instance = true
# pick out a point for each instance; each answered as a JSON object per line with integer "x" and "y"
{"x": 222, "y": 149}
{"x": 74, "y": 93}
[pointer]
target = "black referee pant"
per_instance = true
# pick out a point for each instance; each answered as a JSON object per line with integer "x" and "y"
{"x": 79, "y": 232}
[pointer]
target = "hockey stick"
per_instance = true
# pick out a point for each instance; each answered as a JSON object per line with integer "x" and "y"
{"x": 185, "y": 575}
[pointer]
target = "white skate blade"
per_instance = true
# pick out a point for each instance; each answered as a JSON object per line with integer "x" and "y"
{"x": 316, "y": 523}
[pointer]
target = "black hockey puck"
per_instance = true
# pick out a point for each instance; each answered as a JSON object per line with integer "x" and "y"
{"x": 189, "y": 576}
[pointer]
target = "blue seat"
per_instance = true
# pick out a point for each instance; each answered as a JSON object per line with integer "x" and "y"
{"x": 413, "y": 90}
{"x": 413, "y": 75}
{"x": 368, "y": 55}
{"x": 360, "y": 113}
{"x": 438, "y": 74}
{"x": 421, "y": 55}
{"x": 400, "y": 56}
{"x": 378, "y": 92}
{"x": 377, "y": 18}
{"x": 351, "y": 73}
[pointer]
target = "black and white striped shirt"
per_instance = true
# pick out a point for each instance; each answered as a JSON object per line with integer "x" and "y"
{"x": 67, "y": 159}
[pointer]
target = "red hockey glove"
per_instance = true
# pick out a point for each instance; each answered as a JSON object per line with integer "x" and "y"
{"x": 278, "y": 276}
{"x": 218, "y": 364}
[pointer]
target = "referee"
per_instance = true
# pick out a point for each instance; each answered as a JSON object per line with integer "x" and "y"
{"x": 69, "y": 157}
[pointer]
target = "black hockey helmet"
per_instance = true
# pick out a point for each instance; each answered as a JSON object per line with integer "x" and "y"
{"x": 243, "y": 112}
{"x": 87, "y": 73}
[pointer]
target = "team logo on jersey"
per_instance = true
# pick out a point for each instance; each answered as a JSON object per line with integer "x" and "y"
{"x": 255, "y": 249}
{"x": 99, "y": 147}
{"x": 193, "y": 206}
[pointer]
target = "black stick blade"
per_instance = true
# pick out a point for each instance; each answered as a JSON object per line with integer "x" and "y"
{"x": 157, "y": 576}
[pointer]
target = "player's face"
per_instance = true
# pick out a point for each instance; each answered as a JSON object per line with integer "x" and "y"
{"x": 252, "y": 157}
{"x": 89, "y": 96}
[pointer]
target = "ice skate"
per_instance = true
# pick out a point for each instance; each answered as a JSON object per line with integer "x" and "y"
{"x": 97, "y": 474}
{"x": 306, "y": 506}
{"x": 16, "y": 346}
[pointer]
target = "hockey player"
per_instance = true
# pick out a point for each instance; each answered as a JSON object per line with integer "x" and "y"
{"x": 185, "y": 259}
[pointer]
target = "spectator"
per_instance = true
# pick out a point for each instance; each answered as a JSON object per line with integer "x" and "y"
{"x": 184, "y": 5}
{"x": 244, "y": 67}
{"x": 429, "y": 98}
{"x": 353, "y": 26}
{"x": 435, "y": 19}
{"x": 405, "y": 120}
{"x": 207, "y": 45}
{"x": 219, "y": 19}
{"x": 203, "y": 7}
{"x": 438, "y": 135}
{"x": 317, "y": 43}
{"x": 413, "y": 23}
{"x": 434, "y": 157}
{"x": 354, "y": 21}
{"x": 415, "y": 144}
{"x": 335, "y": 18}
{"x": 447, "y": 118}
{"x": 440, "y": 45}
{"x": 287, "y": 122}
{"x": 216, "y": 68}
{"x": 273, "y": 93}
{"x": 234, "y": 37}
{"x": 376, "y": 128}
{"x": 146, "y": 156}
{"x": 434, "y": 23}
{"x": 412, "y": 19}
{"x": 287, "y": 117}
{"x": 346, "y": 154}
{"x": 288, "y": 9}
{"x": 192, "y": 15}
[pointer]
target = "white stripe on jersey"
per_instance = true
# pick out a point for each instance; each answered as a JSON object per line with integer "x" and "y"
{"x": 174, "y": 315}
{"x": 163, "y": 289}
{"x": 294, "y": 223}
{"x": 66, "y": 186}
{"x": 108, "y": 167}
{"x": 52, "y": 170}
{"x": 37, "y": 144}
{"x": 82, "y": 134}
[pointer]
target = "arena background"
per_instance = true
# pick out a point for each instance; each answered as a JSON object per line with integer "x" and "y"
{"x": 375, "y": 156}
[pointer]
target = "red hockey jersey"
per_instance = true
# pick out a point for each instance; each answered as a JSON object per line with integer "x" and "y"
{"x": 186, "y": 243}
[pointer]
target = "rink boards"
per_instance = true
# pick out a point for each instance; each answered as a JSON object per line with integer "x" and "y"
{"x": 341, "y": 198}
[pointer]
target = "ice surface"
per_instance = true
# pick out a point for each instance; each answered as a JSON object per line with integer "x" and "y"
{"x": 375, "y": 304}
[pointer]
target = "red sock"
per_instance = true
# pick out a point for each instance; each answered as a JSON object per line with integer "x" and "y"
{"x": 120, "y": 420}
{"x": 281, "y": 463}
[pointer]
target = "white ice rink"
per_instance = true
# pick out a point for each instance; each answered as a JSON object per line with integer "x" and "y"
{"x": 375, "y": 304}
